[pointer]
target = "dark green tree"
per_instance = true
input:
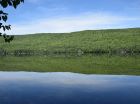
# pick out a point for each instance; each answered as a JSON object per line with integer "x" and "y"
{"x": 4, "y": 17}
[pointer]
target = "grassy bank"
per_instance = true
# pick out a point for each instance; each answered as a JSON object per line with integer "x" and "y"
{"x": 89, "y": 64}
{"x": 117, "y": 40}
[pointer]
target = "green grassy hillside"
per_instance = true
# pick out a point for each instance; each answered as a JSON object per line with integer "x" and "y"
{"x": 87, "y": 41}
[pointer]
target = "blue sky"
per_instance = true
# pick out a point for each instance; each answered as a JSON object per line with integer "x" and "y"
{"x": 45, "y": 16}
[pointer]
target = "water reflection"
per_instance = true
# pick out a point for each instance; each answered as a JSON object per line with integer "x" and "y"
{"x": 68, "y": 88}
{"x": 87, "y": 64}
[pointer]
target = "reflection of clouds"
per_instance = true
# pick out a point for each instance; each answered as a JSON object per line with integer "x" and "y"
{"x": 70, "y": 79}
{"x": 71, "y": 87}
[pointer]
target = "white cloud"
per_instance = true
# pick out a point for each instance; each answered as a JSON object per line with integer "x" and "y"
{"x": 83, "y": 21}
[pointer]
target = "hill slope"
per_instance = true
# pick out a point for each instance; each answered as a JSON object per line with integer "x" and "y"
{"x": 87, "y": 41}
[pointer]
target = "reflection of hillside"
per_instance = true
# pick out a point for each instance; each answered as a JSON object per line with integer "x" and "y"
{"x": 88, "y": 64}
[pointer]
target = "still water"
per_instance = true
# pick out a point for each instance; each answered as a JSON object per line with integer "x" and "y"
{"x": 68, "y": 88}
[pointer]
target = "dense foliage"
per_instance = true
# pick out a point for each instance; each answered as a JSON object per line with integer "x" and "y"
{"x": 4, "y": 17}
{"x": 92, "y": 41}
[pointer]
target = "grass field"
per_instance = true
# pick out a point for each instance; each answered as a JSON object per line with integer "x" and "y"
{"x": 117, "y": 40}
{"x": 90, "y": 41}
{"x": 87, "y": 64}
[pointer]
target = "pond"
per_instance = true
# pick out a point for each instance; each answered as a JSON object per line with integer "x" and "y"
{"x": 86, "y": 64}
{"x": 68, "y": 88}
